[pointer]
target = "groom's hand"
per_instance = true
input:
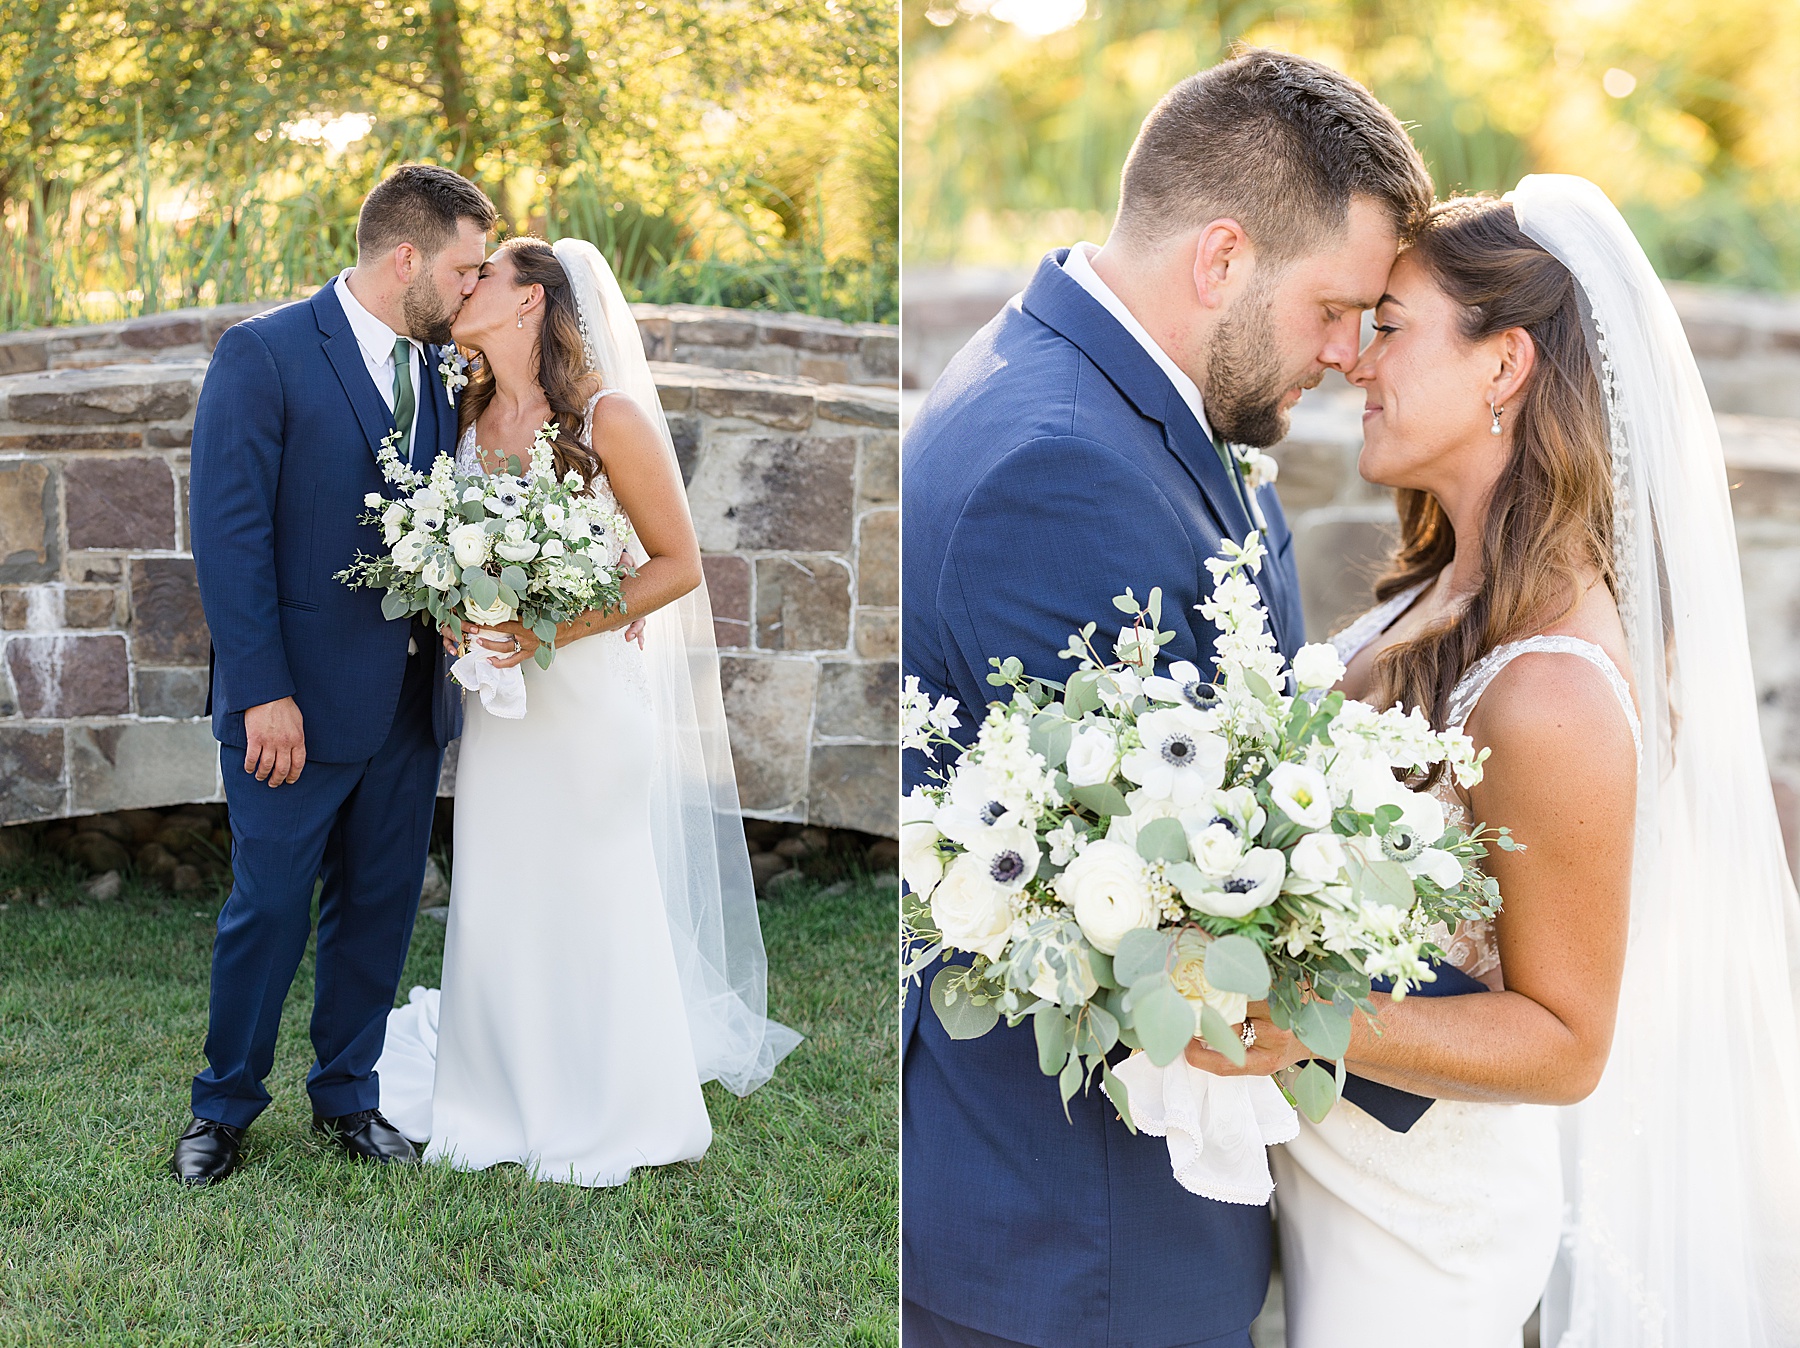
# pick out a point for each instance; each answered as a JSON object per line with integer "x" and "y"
{"x": 276, "y": 738}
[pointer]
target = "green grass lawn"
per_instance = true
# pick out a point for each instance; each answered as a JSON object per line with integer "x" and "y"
{"x": 785, "y": 1234}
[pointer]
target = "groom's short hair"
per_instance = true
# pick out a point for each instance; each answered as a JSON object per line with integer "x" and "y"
{"x": 420, "y": 204}
{"x": 1276, "y": 142}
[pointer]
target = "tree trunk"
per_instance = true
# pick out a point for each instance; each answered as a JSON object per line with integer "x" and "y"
{"x": 460, "y": 118}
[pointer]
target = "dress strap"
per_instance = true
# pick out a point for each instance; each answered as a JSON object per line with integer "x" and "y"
{"x": 1484, "y": 671}
{"x": 1373, "y": 623}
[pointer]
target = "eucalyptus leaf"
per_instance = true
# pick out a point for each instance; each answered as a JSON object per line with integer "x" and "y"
{"x": 1051, "y": 736}
{"x": 395, "y": 605}
{"x": 484, "y": 590}
{"x": 1234, "y": 964}
{"x": 1143, "y": 953}
{"x": 1081, "y": 695}
{"x": 1387, "y": 882}
{"x": 1315, "y": 1092}
{"x": 544, "y": 655}
{"x": 1259, "y": 687}
{"x": 1096, "y": 1031}
{"x": 1162, "y": 840}
{"x": 1220, "y": 1036}
{"x": 1164, "y": 1020}
{"x": 1324, "y": 1027}
{"x": 1104, "y": 800}
{"x": 1068, "y": 1081}
{"x": 962, "y": 1018}
{"x": 507, "y": 595}
{"x": 1186, "y": 877}
{"x": 1120, "y": 1097}
{"x": 1098, "y": 961}
{"x": 514, "y": 576}
{"x": 1055, "y": 1037}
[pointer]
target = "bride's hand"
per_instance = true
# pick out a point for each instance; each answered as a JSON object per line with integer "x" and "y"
{"x": 1273, "y": 1050}
{"x": 636, "y": 632}
{"x": 510, "y": 643}
{"x": 450, "y": 644}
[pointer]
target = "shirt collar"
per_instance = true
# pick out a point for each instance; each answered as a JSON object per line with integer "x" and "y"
{"x": 372, "y": 335}
{"x": 1080, "y": 268}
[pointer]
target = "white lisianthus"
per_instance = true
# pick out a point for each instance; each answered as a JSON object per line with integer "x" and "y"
{"x": 970, "y": 910}
{"x": 472, "y": 493}
{"x": 1319, "y": 857}
{"x": 1093, "y": 753}
{"x": 499, "y": 612}
{"x": 372, "y": 500}
{"x": 1189, "y": 975}
{"x": 1108, "y": 889}
{"x": 1044, "y": 983}
{"x": 522, "y": 550}
{"x": 470, "y": 544}
{"x": 553, "y": 515}
{"x": 921, "y": 864}
{"x": 408, "y": 550}
{"x": 1217, "y": 848}
{"x": 1302, "y": 794}
{"x": 1254, "y": 882}
{"x": 1317, "y": 666}
{"x": 439, "y": 571}
{"x": 553, "y": 547}
{"x": 1124, "y": 828}
{"x": 1181, "y": 759}
{"x": 393, "y": 523}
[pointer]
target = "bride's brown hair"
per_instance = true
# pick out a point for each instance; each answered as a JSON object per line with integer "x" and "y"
{"x": 1549, "y": 523}
{"x": 562, "y": 363}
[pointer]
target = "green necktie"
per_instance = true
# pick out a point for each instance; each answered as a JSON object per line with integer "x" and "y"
{"x": 403, "y": 388}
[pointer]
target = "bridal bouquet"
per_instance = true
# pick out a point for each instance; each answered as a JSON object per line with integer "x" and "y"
{"x": 479, "y": 550}
{"x": 1133, "y": 856}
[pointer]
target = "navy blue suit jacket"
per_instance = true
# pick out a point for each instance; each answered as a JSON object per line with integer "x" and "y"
{"x": 1053, "y": 465}
{"x": 284, "y": 452}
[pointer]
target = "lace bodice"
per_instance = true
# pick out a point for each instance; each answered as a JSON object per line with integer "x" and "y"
{"x": 1471, "y": 947}
{"x": 468, "y": 453}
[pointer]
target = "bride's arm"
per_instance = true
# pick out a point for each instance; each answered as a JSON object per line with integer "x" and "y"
{"x": 649, "y": 489}
{"x": 1563, "y": 777}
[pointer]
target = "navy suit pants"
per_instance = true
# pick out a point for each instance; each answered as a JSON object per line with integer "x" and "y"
{"x": 364, "y": 830}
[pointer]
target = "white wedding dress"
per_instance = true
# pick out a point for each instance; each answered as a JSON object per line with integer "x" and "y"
{"x": 560, "y": 1040}
{"x": 1445, "y": 1233}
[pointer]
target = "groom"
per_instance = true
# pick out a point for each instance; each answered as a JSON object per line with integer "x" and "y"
{"x": 1081, "y": 443}
{"x": 331, "y": 720}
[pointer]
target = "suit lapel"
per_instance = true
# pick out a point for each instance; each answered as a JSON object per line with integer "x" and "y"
{"x": 428, "y": 432}
{"x": 346, "y": 358}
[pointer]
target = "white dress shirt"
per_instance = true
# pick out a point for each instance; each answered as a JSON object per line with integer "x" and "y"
{"x": 376, "y": 340}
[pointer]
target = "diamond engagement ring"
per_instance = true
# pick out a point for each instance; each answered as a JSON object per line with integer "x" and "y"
{"x": 1249, "y": 1034}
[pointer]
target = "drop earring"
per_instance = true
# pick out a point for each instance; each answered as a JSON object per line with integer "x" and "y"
{"x": 1495, "y": 428}
{"x": 521, "y": 323}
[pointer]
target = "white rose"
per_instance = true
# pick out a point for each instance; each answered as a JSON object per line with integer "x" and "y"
{"x": 971, "y": 911}
{"x": 921, "y": 865}
{"x": 470, "y": 544}
{"x": 1317, "y": 666}
{"x": 499, "y": 613}
{"x": 1217, "y": 848}
{"x": 1319, "y": 857}
{"x": 1107, "y": 888}
{"x": 1302, "y": 794}
{"x": 440, "y": 572}
{"x": 1093, "y": 752}
{"x": 1189, "y": 973}
{"x": 409, "y": 551}
{"x": 1044, "y": 983}
{"x": 1254, "y": 882}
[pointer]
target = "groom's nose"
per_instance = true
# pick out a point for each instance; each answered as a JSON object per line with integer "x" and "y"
{"x": 1342, "y": 343}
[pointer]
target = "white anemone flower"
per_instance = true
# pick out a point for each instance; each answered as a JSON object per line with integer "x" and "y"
{"x": 1010, "y": 853}
{"x": 1254, "y": 883}
{"x": 978, "y": 799}
{"x": 1181, "y": 759}
{"x": 1183, "y": 684}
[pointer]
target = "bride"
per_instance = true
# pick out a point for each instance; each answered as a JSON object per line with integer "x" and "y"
{"x": 603, "y": 957}
{"x": 1565, "y": 589}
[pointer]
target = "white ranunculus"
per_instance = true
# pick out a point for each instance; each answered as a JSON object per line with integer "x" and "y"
{"x": 1043, "y": 984}
{"x": 408, "y": 551}
{"x": 440, "y": 571}
{"x": 1093, "y": 753}
{"x": 1437, "y": 865}
{"x": 499, "y": 612}
{"x": 1319, "y": 857}
{"x": 522, "y": 551}
{"x": 1109, "y": 891}
{"x": 1254, "y": 882}
{"x": 921, "y": 864}
{"x": 1189, "y": 974}
{"x": 470, "y": 544}
{"x": 1317, "y": 666}
{"x": 971, "y": 911}
{"x": 1181, "y": 760}
{"x": 1302, "y": 794}
{"x": 1217, "y": 848}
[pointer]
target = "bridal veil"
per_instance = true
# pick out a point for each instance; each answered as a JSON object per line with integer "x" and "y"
{"x": 697, "y": 832}
{"x": 1683, "y": 1168}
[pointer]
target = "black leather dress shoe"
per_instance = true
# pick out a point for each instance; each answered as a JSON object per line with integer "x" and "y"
{"x": 206, "y": 1153}
{"x": 366, "y": 1134}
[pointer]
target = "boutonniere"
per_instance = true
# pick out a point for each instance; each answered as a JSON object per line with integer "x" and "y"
{"x": 452, "y": 369}
{"x": 1259, "y": 469}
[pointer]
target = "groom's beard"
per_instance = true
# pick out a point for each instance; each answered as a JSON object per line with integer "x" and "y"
{"x": 1245, "y": 383}
{"x": 427, "y": 318}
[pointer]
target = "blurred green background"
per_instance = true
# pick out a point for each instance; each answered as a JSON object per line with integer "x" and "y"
{"x": 1019, "y": 113}
{"x": 161, "y": 153}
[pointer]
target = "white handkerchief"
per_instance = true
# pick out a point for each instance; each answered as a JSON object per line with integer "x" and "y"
{"x": 502, "y": 690}
{"x": 1217, "y": 1127}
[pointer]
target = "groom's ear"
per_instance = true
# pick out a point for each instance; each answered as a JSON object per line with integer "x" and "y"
{"x": 1223, "y": 262}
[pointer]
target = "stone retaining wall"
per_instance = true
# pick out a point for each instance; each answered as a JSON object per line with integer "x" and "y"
{"x": 103, "y": 646}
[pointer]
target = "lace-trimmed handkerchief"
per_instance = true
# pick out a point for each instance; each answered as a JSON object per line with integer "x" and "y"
{"x": 1218, "y": 1128}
